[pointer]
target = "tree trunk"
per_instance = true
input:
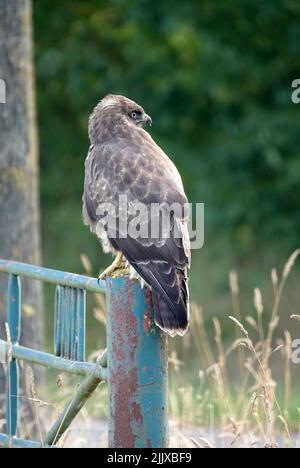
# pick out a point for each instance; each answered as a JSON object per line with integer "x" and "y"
{"x": 19, "y": 207}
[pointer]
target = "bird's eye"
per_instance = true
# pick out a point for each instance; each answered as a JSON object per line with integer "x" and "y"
{"x": 134, "y": 115}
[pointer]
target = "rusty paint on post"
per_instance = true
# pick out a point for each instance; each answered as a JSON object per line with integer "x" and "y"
{"x": 137, "y": 369}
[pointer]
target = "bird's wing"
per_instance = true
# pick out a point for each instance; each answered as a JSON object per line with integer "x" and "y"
{"x": 139, "y": 169}
{"x": 99, "y": 186}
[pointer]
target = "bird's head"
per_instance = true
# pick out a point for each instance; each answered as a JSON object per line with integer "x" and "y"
{"x": 115, "y": 111}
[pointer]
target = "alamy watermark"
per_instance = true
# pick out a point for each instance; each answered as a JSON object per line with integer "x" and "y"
{"x": 296, "y": 92}
{"x": 152, "y": 223}
{"x": 295, "y": 357}
{"x": 2, "y": 92}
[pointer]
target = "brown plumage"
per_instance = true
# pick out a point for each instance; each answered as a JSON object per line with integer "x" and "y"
{"x": 124, "y": 160}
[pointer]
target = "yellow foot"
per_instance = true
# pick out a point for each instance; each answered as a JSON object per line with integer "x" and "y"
{"x": 121, "y": 271}
{"x": 116, "y": 269}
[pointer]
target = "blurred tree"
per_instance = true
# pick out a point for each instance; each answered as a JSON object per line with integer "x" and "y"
{"x": 19, "y": 208}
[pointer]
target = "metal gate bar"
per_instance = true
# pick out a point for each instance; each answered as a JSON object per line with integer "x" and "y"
{"x": 83, "y": 393}
{"x": 14, "y": 442}
{"x": 48, "y": 360}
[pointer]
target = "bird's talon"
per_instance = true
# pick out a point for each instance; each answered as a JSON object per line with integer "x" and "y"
{"x": 101, "y": 277}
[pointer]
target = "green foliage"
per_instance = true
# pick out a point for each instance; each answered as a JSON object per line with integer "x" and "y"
{"x": 216, "y": 78}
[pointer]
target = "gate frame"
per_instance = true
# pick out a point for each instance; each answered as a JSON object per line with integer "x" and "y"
{"x": 135, "y": 363}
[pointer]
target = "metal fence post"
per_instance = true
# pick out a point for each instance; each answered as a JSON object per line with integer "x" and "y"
{"x": 137, "y": 369}
{"x": 12, "y": 373}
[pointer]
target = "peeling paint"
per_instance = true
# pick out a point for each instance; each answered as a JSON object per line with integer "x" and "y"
{"x": 148, "y": 315}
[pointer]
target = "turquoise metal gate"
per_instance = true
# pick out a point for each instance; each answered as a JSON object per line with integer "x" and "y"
{"x": 135, "y": 363}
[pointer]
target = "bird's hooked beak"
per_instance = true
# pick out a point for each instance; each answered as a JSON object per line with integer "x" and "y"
{"x": 147, "y": 120}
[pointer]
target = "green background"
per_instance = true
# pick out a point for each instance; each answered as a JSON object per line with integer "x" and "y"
{"x": 216, "y": 79}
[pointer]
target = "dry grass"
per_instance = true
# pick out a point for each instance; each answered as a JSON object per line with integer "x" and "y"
{"x": 241, "y": 408}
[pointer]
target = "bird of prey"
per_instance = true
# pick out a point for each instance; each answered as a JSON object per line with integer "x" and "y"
{"x": 123, "y": 159}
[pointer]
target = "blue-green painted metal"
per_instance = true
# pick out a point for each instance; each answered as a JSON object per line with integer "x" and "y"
{"x": 12, "y": 373}
{"x": 70, "y": 323}
{"x": 136, "y": 357}
{"x": 51, "y": 362}
{"x": 80, "y": 325}
{"x": 58, "y": 321}
{"x": 137, "y": 369}
{"x": 66, "y": 316}
{"x": 14, "y": 442}
{"x": 52, "y": 276}
{"x": 73, "y": 329}
{"x": 69, "y": 342}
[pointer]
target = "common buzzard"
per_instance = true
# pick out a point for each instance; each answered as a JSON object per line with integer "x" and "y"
{"x": 124, "y": 160}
